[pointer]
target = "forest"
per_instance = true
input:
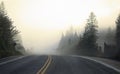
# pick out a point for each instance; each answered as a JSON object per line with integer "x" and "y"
{"x": 92, "y": 41}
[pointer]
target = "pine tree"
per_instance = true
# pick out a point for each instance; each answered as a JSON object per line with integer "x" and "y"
{"x": 88, "y": 42}
{"x": 7, "y": 34}
{"x": 118, "y": 34}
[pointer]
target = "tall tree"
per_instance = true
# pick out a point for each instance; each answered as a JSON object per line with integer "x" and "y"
{"x": 88, "y": 42}
{"x": 118, "y": 34}
{"x": 110, "y": 36}
{"x": 7, "y": 32}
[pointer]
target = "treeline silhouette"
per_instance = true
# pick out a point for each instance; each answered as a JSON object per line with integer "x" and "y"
{"x": 92, "y": 42}
{"x": 10, "y": 43}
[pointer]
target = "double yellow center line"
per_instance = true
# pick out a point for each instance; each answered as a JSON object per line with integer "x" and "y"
{"x": 45, "y": 66}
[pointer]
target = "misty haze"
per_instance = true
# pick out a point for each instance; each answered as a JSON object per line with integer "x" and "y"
{"x": 59, "y": 37}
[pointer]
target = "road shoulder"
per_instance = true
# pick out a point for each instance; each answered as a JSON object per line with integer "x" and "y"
{"x": 10, "y": 59}
{"x": 106, "y": 62}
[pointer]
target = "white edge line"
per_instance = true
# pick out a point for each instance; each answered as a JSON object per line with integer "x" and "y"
{"x": 2, "y": 63}
{"x": 107, "y": 65}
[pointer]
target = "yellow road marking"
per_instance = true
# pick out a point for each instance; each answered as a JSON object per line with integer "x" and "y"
{"x": 45, "y": 66}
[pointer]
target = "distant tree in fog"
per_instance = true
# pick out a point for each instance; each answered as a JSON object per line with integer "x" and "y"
{"x": 110, "y": 36}
{"x": 68, "y": 41}
{"x": 106, "y": 36}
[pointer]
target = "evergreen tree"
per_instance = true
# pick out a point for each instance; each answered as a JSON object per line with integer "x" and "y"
{"x": 110, "y": 36}
{"x": 88, "y": 42}
{"x": 7, "y": 34}
{"x": 118, "y": 34}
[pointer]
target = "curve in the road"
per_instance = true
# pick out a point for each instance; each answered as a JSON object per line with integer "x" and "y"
{"x": 45, "y": 66}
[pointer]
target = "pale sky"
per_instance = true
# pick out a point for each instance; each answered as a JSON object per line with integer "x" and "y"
{"x": 41, "y": 22}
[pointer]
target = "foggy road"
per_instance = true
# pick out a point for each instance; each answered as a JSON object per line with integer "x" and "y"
{"x": 54, "y": 65}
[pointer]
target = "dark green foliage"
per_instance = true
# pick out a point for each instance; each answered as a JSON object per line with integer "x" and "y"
{"x": 7, "y": 34}
{"x": 88, "y": 42}
{"x": 118, "y": 34}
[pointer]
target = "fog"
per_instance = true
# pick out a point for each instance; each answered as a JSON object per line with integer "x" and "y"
{"x": 42, "y": 22}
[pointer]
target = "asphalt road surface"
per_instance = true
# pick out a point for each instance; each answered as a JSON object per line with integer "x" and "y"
{"x": 54, "y": 65}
